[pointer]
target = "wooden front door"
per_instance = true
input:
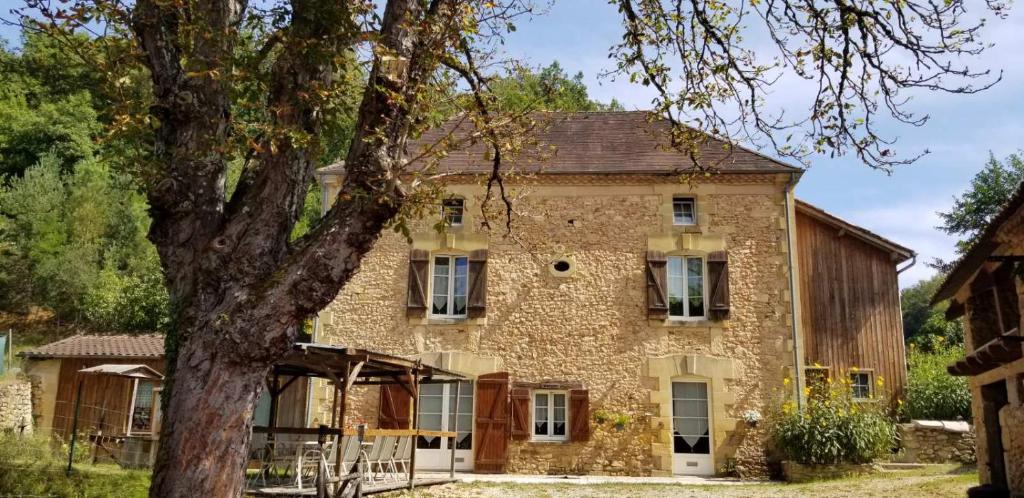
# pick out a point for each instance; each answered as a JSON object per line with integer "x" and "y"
{"x": 492, "y": 423}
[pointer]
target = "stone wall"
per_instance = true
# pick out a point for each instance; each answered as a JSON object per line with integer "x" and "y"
{"x": 16, "y": 407}
{"x": 592, "y": 326}
{"x": 931, "y": 441}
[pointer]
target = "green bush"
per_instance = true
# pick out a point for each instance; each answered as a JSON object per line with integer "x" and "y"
{"x": 933, "y": 394}
{"x": 832, "y": 428}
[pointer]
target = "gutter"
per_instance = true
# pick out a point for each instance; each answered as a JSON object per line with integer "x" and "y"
{"x": 797, "y": 367}
{"x": 913, "y": 261}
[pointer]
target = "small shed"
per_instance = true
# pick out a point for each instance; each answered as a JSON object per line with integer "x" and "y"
{"x": 109, "y": 403}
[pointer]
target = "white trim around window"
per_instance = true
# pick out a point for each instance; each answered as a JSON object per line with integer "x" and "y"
{"x": 550, "y": 416}
{"x": 687, "y": 288}
{"x": 449, "y": 286}
{"x": 860, "y": 385}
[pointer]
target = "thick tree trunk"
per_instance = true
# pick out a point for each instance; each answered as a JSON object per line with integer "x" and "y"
{"x": 203, "y": 448}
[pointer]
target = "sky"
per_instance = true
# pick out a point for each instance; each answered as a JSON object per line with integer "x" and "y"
{"x": 961, "y": 132}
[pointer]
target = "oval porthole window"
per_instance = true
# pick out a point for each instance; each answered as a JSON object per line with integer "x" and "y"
{"x": 563, "y": 267}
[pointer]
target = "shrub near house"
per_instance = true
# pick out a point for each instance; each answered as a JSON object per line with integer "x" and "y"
{"x": 833, "y": 427}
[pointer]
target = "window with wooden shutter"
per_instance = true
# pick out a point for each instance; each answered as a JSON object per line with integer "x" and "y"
{"x": 657, "y": 287}
{"x": 395, "y": 409}
{"x": 718, "y": 285}
{"x": 492, "y": 423}
{"x": 419, "y": 268}
{"x": 478, "y": 284}
{"x": 520, "y": 414}
{"x": 579, "y": 415}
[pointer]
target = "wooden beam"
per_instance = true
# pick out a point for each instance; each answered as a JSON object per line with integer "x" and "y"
{"x": 353, "y": 375}
{"x": 1013, "y": 258}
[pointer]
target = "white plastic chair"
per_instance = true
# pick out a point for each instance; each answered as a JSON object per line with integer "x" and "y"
{"x": 403, "y": 455}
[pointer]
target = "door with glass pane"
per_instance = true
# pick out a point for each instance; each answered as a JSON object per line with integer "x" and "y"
{"x": 438, "y": 412}
{"x": 691, "y": 429}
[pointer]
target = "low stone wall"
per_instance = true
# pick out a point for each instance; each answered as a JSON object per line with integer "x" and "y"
{"x": 796, "y": 472}
{"x": 932, "y": 441}
{"x": 16, "y": 407}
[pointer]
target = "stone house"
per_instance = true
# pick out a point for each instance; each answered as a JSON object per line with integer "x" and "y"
{"x": 984, "y": 287}
{"x": 632, "y": 322}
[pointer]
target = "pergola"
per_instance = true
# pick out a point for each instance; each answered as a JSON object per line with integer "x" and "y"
{"x": 345, "y": 367}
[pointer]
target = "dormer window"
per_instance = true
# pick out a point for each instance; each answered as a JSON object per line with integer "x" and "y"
{"x": 684, "y": 211}
{"x": 451, "y": 211}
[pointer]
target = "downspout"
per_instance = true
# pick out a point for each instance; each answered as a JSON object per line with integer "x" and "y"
{"x": 316, "y": 318}
{"x": 797, "y": 367}
{"x": 913, "y": 261}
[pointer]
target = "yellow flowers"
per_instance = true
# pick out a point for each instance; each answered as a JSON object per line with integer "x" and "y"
{"x": 880, "y": 381}
{"x": 785, "y": 381}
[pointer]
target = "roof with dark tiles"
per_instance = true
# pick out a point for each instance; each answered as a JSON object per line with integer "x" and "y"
{"x": 613, "y": 142}
{"x": 101, "y": 346}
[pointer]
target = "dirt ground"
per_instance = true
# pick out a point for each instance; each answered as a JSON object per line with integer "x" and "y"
{"x": 936, "y": 482}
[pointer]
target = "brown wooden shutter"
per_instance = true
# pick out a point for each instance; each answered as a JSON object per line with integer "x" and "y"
{"x": 395, "y": 407}
{"x": 491, "y": 424}
{"x": 718, "y": 285}
{"x": 477, "y": 284}
{"x": 657, "y": 285}
{"x": 520, "y": 414}
{"x": 419, "y": 268}
{"x": 579, "y": 415}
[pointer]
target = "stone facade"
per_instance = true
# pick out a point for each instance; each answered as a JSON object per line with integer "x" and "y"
{"x": 925, "y": 441}
{"x": 16, "y": 407}
{"x": 592, "y": 326}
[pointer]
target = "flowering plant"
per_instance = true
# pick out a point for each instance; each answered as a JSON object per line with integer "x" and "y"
{"x": 752, "y": 417}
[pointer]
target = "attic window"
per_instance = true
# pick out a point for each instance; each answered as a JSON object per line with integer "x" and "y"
{"x": 684, "y": 210}
{"x": 451, "y": 211}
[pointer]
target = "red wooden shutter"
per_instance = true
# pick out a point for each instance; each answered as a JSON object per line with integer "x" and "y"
{"x": 395, "y": 407}
{"x": 718, "y": 285}
{"x": 491, "y": 423}
{"x": 579, "y": 415}
{"x": 657, "y": 285}
{"x": 477, "y": 284}
{"x": 419, "y": 267}
{"x": 520, "y": 414}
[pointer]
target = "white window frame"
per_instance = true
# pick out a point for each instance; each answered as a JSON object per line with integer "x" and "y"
{"x": 452, "y": 258}
{"x": 131, "y": 411}
{"x": 693, "y": 207}
{"x": 444, "y": 211}
{"x": 550, "y": 436}
{"x": 687, "y": 316}
{"x": 870, "y": 381}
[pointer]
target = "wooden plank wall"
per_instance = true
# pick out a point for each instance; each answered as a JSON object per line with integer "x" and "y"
{"x": 850, "y": 304}
{"x": 105, "y": 399}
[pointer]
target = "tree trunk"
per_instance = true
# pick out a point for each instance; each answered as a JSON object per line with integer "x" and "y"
{"x": 213, "y": 398}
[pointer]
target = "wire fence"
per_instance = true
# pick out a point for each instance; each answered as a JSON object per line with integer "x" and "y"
{"x": 105, "y": 435}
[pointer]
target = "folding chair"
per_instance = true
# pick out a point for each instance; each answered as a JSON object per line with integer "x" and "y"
{"x": 381, "y": 446}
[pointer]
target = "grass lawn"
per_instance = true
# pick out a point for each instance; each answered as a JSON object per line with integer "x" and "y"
{"x": 87, "y": 481}
{"x": 936, "y": 482}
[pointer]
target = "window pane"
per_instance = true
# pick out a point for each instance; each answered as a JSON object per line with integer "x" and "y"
{"x": 695, "y": 285}
{"x": 428, "y": 442}
{"x": 558, "y": 429}
{"x": 683, "y": 211}
{"x": 141, "y": 412}
{"x": 440, "y": 292}
{"x": 541, "y": 400}
{"x": 676, "y": 281}
{"x": 430, "y": 404}
{"x": 465, "y": 441}
{"x": 540, "y": 428}
{"x": 559, "y": 400}
{"x": 452, "y": 211}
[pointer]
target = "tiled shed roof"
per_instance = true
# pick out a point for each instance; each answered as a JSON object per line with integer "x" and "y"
{"x": 101, "y": 346}
{"x": 613, "y": 142}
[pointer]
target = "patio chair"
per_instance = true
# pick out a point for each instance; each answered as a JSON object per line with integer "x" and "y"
{"x": 402, "y": 456}
{"x": 350, "y": 453}
{"x": 308, "y": 455}
{"x": 381, "y": 446}
{"x": 388, "y": 459}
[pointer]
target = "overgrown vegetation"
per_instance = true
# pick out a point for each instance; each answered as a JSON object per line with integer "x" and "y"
{"x": 832, "y": 427}
{"x": 924, "y": 326}
{"x": 933, "y": 394}
{"x": 33, "y": 466}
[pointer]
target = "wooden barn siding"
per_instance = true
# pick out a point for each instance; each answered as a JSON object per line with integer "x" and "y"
{"x": 850, "y": 304}
{"x": 105, "y": 399}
